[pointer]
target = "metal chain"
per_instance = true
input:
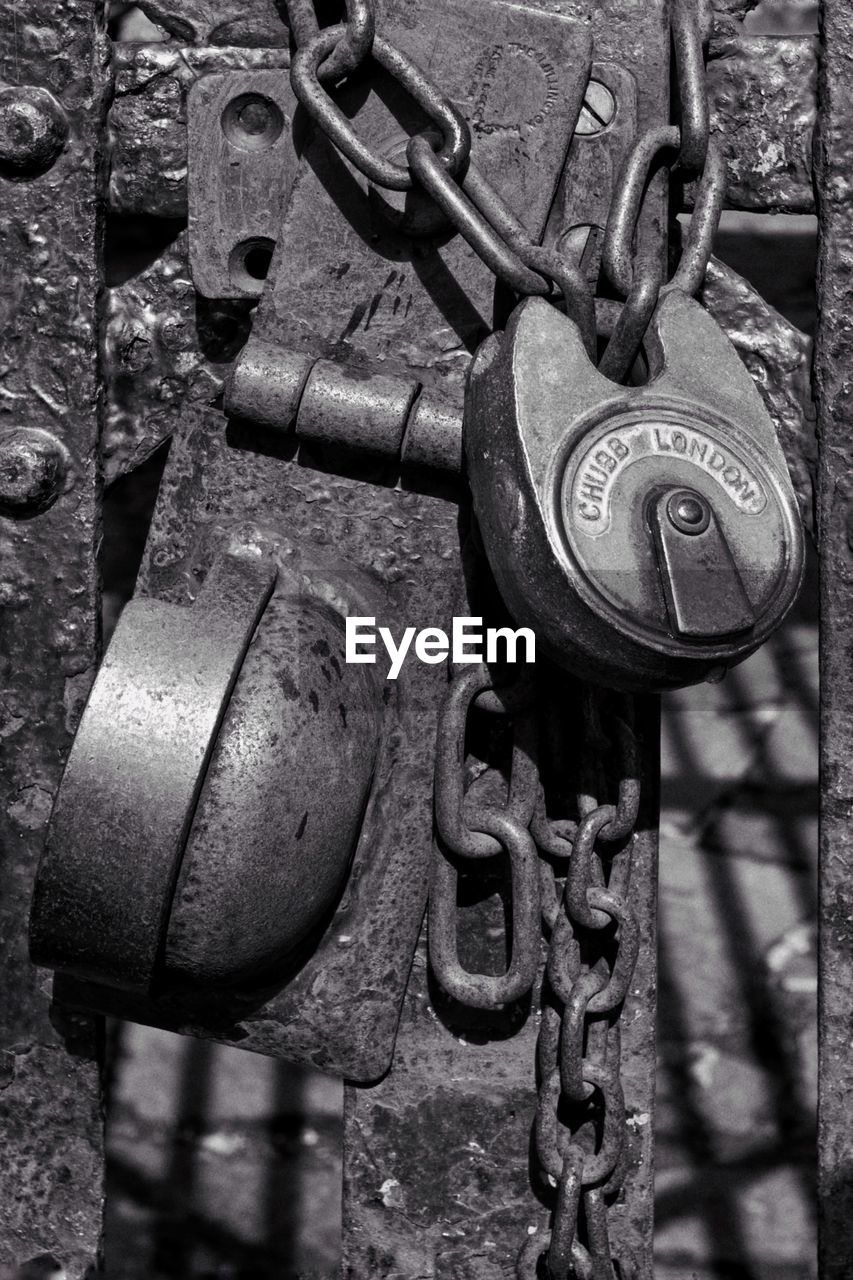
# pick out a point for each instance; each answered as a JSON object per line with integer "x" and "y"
{"x": 688, "y": 149}
{"x": 471, "y": 829}
{"x": 580, "y": 1126}
{"x": 594, "y": 940}
{"x": 438, "y": 159}
{"x": 351, "y": 47}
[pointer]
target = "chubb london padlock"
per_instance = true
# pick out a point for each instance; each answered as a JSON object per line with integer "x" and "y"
{"x": 648, "y": 534}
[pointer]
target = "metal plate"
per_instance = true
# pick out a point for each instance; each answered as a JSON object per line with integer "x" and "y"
{"x": 51, "y": 1173}
{"x": 242, "y": 162}
{"x": 344, "y": 284}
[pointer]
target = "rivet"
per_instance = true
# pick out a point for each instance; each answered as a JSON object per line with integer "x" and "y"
{"x": 33, "y": 467}
{"x": 33, "y": 131}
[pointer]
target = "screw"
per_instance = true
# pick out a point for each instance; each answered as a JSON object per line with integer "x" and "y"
{"x": 252, "y": 122}
{"x": 33, "y": 131}
{"x": 597, "y": 111}
{"x": 33, "y": 466}
{"x": 255, "y": 117}
{"x": 688, "y": 512}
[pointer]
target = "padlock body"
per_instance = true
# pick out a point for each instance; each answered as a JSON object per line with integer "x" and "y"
{"x": 282, "y": 801}
{"x": 570, "y": 473}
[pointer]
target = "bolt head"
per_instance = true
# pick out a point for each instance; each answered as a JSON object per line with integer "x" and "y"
{"x": 597, "y": 111}
{"x": 255, "y": 117}
{"x": 252, "y": 122}
{"x": 33, "y": 131}
{"x": 33, "y": 467}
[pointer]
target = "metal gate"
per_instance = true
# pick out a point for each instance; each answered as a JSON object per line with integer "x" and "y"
{"x": 100, "y": 368}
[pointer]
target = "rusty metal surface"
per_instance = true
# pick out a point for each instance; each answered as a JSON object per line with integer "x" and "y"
{"x": 833, "y": 355}
{"x": 164, "y": 349}
{"x": 52, "y": 1166}
{"x": 243, "y": 159}
{"x": 727, "y": 15}
{"x": 762, "y": 92}
{"x": 220, "y": 22}
{"x": 148, "y": 118}
{"x": 779, "y": 357}
{"x": 763, "y": 95}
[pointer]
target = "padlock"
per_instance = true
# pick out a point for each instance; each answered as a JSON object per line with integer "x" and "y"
{"x": 241, "y": 842}
{"x": 648, "y": 534}
{"x": 221, "y": 787}
{"x": 189, "y": 839}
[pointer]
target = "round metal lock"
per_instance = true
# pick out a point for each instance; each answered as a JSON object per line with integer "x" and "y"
{"x": 648, "y": 534}
{"x": 679, "y": 529}
{"x": 280, "y": 809}
{"x": 216, "y": 787}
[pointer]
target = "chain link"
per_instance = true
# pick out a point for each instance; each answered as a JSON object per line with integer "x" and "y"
{"x": 687, "y": 148}
{"x": 470, "y": 829}
{"x": 455, "y": 145}
{"x": 354, "y": 42}
{"x": 438, "y": 159}
{"x": 580, "y": 1129}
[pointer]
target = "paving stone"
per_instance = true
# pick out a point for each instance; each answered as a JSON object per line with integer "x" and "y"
{"x": 221, "y": 1164}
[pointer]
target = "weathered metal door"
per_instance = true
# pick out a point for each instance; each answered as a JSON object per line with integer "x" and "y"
{"x": 102, "y": 365}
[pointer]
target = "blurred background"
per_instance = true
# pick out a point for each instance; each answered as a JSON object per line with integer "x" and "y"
{"x": 227, "y": 1166}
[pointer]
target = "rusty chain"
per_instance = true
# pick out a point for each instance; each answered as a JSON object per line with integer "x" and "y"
{"x": 688, "y": 149}
{"x": 438, "y": 159}
{"x": 580, "y": 1128}
{"x": 470, "y": 828}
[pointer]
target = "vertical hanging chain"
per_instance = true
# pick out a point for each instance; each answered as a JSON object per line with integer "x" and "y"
{"x": 581, "y": 1123}
{"x": 580, "y": 1127}
{"x": 471, "y": 829}
{"x": 689, "y": 151}
{"x": 580, "y": 1130}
